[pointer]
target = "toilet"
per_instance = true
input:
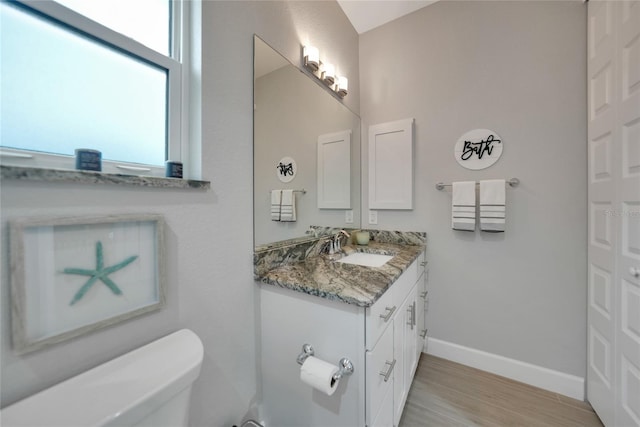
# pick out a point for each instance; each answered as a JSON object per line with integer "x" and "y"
{"x": 149, "y": 386}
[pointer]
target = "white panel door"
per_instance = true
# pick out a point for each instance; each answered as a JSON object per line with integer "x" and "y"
{"x": 628, "y": 259}
{"x": 601, "y": 200}
{"x": 613, "y": 376}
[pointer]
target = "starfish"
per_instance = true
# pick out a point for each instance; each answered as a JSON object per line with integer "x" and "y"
{"x": 100, "y": 273}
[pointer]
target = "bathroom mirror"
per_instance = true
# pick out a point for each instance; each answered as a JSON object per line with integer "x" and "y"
{"x": 293, "y": 118}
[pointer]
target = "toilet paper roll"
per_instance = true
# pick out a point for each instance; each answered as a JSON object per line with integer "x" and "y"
{"x": 319, "y": 375}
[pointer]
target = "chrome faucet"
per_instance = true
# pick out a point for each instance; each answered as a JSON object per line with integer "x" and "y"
{"x": 332, "y": 245}
{"x": 336, "y": 240}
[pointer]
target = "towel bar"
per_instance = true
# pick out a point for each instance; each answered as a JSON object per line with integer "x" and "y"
{"x": 513, "y": 182}
{"x": 303, "y": 191}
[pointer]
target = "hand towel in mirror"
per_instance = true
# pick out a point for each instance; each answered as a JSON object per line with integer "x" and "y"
{"x": 288, "y": 206}
{"x": 276, "y": 200}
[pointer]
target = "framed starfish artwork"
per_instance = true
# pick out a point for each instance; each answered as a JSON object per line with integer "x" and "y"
{"x": 74, "y": 275}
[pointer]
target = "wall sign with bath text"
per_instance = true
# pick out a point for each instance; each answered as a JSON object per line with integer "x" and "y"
{"x": 478, "y": 149}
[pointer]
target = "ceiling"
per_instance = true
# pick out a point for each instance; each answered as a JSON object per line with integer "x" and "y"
{"x": 366, "y": 15}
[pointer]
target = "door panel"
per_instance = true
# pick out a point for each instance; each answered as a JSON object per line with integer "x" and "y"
{"x": 628, "y": 189}
{"x": 602, "y": 220}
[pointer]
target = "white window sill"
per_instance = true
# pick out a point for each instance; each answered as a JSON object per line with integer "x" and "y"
{"x": 88, "y": 177}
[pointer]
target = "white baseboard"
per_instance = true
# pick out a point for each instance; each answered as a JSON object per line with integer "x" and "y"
{"x": 537, "y": 376}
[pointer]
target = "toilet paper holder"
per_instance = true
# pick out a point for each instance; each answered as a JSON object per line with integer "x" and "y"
{"x": 345, "y": 367}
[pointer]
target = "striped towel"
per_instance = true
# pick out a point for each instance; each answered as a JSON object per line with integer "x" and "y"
{"x": 492, "y": 205}
{"x": 463, "y": 206}
{"x": 288, "y": 206}
{"x": 276, "y": 201}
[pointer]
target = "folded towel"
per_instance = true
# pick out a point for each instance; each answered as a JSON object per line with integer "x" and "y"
{"x": 288, "y": 206}
{"x": 492, "y": 205}
{"x": 276, "y": 201}
{"x": 463, "y": 206}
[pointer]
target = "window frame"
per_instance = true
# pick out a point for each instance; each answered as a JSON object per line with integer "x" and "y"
{"x": 176, "y": 147}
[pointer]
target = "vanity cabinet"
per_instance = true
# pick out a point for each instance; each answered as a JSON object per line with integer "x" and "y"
{"x": 383, "y": 342}
{"x": 406, "y": 342}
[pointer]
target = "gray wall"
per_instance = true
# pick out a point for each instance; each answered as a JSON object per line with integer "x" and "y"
{"x": 517, "y": 68}
{"x": 210, "y": 239}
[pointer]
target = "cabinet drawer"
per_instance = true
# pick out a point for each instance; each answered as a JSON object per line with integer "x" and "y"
{"x": 379, "y": 316}
{"x": 405, "y": 283}
{"x": 379, "y": 362}
{"x": 422, "y": 263}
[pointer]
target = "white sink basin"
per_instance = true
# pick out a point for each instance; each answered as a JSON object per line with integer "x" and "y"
{"x": 367, "y": 260}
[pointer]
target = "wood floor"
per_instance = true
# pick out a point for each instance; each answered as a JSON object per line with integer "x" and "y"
{"x": 445, "y": 393}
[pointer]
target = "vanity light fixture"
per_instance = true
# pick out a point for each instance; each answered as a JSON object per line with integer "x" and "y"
{"x": 342, "y": 86}
{"x": 328, "y": 75}
{"x": 311, "y": 57}
{"x": 325, "y": 72}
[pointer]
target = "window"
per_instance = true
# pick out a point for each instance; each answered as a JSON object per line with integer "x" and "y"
{"x": 99, "y": 74}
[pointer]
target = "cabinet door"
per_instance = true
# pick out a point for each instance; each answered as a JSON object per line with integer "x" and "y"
{"x": 399, "y": 351}
{"x": 405, "y": 341}
{"x": 334, "y": 170}
{"x": 391, "y": 165}
{"x": 385, "y": 415}
{"x": 422, "y": 306}
{"x": 380, "y": 375}
{"x": 411, "y": 337}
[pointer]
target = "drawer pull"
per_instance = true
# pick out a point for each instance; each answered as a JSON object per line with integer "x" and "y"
{"x": 424, "y": 295}
{"x": 412, "y": 313}
{"x": 387, "y": 374}
{"x": 424, "y": 333}
{"x": 390, "y": 311}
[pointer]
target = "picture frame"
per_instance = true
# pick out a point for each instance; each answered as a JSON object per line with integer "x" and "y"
{"x": 74, "y": 275}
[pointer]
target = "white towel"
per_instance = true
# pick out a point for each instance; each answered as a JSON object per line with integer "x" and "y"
{"x": 276, "y": 201}
{"x": 492, "y": 205}
{"x": 463, "y": 206}
{"x": 288, "y": 206}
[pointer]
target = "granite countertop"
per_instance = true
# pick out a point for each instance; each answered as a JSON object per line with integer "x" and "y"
{"x": 349, "y": 283}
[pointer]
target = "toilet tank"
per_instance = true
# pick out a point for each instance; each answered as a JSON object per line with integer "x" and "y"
{"x": 149, "y": 386}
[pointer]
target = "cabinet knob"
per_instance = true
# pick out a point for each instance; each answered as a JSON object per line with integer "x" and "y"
{"x": 387, "y": 374}
{"x": 423, "y": 263}
{"x": 423, "y": 334}
{"x": 424, "y": 294}
{"x": 390, "y": 311}
{"x": 635, "y": 272}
